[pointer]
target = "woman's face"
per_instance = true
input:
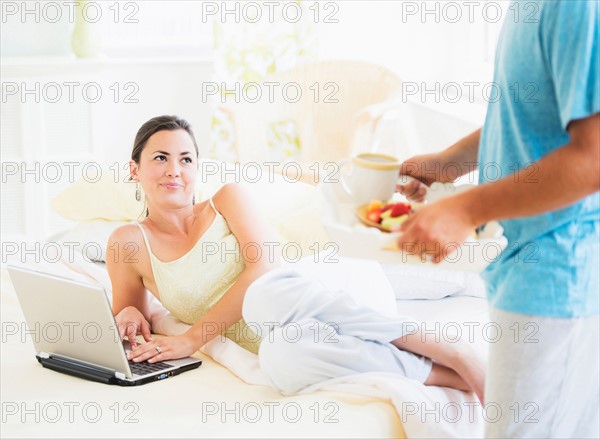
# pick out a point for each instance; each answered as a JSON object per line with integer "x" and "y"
{"x": 167, "y": 169}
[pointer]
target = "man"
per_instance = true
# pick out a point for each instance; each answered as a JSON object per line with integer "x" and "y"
{"x": 539, "y": 171}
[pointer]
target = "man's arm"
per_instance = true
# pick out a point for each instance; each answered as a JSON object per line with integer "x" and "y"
{"x": 561, "y": 178}
{"x": 463, "y": 153}
{"x": 444, "y": 166}
{"x": 557, "y": 180}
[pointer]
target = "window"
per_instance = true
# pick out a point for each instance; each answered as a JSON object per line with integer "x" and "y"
{"x": 156, "y": 28}
{"x": 483, "y": 38}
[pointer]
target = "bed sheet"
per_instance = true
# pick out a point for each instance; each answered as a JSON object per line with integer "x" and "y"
{"x": 209, "y": 401}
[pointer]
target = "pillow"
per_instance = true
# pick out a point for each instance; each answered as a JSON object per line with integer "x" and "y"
{"x": 363, "y": 279}
{"x": 292, "y": 207}
{"x": 111, "y": 197}
{"x": 422, "y": 281}
{"x": 107, "y": 199}
{"x": 90, "y": 238}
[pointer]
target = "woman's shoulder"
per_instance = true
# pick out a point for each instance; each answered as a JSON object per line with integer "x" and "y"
{"x": 124, "y": 244}
{"x": 230, "y": 189}
{"x": 125, "y": 234}
{"x": 231, "y": 196}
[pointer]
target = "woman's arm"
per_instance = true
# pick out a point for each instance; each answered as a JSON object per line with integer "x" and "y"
{"x": 253, "y": 234}
{"x": 129, "y": 297}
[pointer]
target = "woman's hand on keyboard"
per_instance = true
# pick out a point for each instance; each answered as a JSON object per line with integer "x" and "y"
{"x": 164, "y": 348}
{"x": 131, "y": 322}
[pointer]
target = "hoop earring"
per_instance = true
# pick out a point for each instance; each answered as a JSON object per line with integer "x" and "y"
{"x": 138, "y": 192}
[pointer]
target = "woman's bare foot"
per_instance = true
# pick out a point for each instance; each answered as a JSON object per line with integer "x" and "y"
{"x": 467, "y": 373}
{"x": 455, "y": 358}
{"x": 445, "y": 377}
{"x": 471, "y": 369}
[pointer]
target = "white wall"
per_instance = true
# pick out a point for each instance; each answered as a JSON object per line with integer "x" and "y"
{"x": 36, "y": 129}
{"x": 424, "y": 43}
{"x": 431, "y": 41}
{"x": 379, "y": 32}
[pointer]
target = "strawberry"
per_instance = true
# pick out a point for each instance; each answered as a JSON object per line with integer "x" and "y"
{"x": 374, "y": 215}
{"x": 399, "y": 209}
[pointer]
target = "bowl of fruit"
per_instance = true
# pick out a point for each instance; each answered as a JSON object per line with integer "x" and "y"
{"x": 372, "y": 230}
{"x": 385, "y": 216}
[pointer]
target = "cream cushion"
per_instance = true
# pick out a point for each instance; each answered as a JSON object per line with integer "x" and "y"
{"x": 109, "y": 199}
{"x": 292, "y": 207}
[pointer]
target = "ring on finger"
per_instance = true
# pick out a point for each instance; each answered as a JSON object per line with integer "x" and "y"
{"x": 158, "y": 349}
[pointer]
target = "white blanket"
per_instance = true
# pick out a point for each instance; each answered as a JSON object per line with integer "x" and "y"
{"x": 425, "y": 411}
{"x": 209, "y": 401}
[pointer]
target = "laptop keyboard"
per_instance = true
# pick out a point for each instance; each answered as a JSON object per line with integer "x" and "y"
{"x": 144, "y": 368}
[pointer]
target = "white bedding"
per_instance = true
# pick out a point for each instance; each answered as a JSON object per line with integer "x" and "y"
{"x": 233, "y": 398}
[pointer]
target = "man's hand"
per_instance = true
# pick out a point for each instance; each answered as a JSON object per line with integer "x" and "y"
{"x": 444, "y": 166}
{"x": 436, "y": 230}
{"x": 422, "y": 169}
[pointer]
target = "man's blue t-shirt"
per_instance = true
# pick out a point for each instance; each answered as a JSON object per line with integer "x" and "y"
{"x": 547, "y": 74}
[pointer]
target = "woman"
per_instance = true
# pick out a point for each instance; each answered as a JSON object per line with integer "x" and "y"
{"x": 166, "y": 253}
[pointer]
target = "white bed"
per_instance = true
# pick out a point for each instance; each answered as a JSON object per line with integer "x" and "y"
{"x": 213, "y": 401}
{"x": 218, "y": 399}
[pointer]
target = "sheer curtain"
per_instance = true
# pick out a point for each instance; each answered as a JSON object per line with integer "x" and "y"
{"x": 246, "y": 53}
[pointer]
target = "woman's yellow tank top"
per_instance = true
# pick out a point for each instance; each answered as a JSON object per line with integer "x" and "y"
{"x": 191, "y": 285}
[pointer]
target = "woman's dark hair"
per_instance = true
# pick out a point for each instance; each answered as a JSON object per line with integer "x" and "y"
{"x": 153, "y": 126}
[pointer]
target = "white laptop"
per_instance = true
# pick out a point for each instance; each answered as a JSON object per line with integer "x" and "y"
{"x": 74, "y": 331}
